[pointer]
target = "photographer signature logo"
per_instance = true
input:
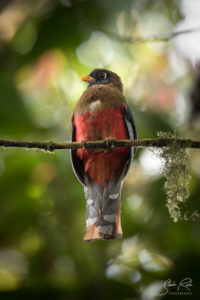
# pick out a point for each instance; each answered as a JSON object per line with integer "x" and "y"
{"x": 182, "y": 287}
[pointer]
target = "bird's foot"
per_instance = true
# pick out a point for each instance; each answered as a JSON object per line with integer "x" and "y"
{"x": 109, "y": 144}
{"x": 83, "y": 145}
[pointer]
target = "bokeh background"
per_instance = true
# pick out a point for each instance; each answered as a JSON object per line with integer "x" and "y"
{"x": 45, "y": 46}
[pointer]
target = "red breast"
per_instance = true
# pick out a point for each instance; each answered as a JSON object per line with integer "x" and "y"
{"x": 101, "y": 119}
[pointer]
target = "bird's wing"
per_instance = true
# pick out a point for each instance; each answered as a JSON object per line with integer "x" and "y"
{"x": 77, "y": 164}
{"x": 130, "y": 125}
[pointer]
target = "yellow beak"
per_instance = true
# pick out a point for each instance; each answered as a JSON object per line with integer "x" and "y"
{"x": 87, "y": 78}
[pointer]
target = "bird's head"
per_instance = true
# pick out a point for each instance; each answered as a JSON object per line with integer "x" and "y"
{"x": 103, "y": 76}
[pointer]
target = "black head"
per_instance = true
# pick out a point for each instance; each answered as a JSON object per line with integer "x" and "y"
{"x": 103, "y": 76}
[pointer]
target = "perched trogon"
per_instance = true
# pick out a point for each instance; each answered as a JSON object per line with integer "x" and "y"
{"x": 102, "y": 112}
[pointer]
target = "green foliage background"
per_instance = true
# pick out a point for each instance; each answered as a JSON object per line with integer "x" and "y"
{"x": 42, "y": 206}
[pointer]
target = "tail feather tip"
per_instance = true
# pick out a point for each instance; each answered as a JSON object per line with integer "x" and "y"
{"x": 108, "y": 232}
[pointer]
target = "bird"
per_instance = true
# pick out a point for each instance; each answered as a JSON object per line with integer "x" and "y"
{"x": 102, "y": 112}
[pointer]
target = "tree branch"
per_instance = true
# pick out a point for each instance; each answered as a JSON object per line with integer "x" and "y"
{"x": 103, "y": 144}
{"x": 150, "y": 39}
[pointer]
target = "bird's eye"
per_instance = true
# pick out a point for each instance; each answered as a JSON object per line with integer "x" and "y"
{"x": 102, "y": 75}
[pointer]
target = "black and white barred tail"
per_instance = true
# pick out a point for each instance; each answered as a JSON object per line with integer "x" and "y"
{"x": 103, "y": 211}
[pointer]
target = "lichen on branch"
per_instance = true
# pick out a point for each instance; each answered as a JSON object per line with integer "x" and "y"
{"x": 176, "y": 170}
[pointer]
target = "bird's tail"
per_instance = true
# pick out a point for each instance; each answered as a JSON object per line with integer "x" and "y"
{"x": 103, "y": 212}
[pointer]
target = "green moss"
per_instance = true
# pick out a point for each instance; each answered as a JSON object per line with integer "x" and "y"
{"x": 176, "y": 170}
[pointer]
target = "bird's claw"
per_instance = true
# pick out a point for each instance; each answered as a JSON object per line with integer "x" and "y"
{"x": 109, "y": 143}
{"x": 83, "y": 145}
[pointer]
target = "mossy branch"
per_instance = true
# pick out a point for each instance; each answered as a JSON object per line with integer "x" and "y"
{"x": 105, "y": 144}
{"x": 176, "y": 170}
